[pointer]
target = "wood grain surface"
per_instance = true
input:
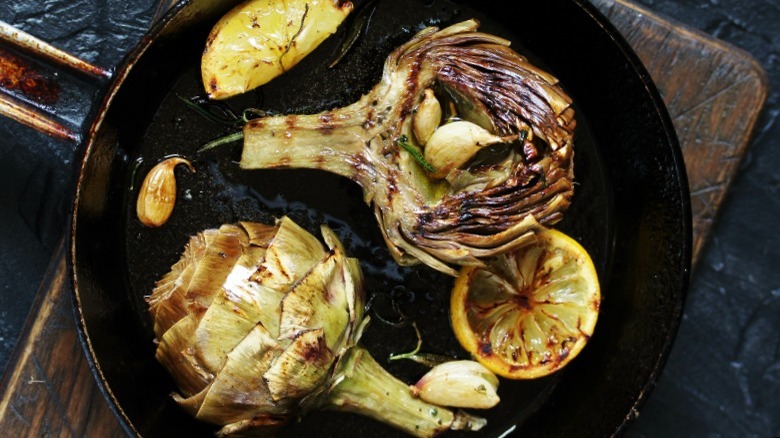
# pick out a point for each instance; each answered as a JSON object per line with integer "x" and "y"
{"x": 48, "y": 389}
{"x": 713, "y": 91}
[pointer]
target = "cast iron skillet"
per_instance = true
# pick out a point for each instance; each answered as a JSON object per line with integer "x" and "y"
{"x": 630, "y": 210}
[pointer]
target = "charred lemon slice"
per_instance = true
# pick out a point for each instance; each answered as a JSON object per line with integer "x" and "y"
{"x": 259, "y": 40}
{"x": 528, "y": 313}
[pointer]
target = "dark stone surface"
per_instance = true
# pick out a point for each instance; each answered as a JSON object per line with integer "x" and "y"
{"x": 36, "y": 173}
{"x": 723, "y": 377}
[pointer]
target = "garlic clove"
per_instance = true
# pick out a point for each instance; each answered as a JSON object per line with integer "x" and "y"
{"x": 453, "y": 144}
{"x": 158, "y": 192}
{"x": 427, "y": 117}
{"x": 460, "y": 383}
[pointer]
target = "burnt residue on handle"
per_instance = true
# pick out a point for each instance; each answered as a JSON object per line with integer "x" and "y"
{"x": 20, "y": 77}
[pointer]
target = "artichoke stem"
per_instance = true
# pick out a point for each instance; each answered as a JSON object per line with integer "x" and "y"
{"x": 362, "y": 386}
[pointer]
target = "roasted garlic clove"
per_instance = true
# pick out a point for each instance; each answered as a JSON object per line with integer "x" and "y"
{"x": 460, "y": 384}
{"x": 158, "y": 192}
{"x": 453, "y": 144}
{"x": 427, "y": 117}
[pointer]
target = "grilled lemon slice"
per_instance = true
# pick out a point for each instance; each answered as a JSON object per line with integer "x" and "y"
{"x": 528, "y": 313}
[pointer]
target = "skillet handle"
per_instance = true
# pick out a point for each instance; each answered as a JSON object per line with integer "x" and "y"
{"x": 25, "y": 93}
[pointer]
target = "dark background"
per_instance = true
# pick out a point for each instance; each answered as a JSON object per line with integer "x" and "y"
{"x": 723, "y": 376}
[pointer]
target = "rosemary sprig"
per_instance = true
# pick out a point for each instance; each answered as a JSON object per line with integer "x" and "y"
{"x": 427, "y": 359}
{"x": 403, "y": 141}
{"x": 416, "y": 349}
{"x": 204, "y": 107}
{"x": 225, "y": 139}
{"x": 229, "y": 118}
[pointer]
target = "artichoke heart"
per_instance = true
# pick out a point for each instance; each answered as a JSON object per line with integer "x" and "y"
{"x": 470, "y": 197}
{"x": 258, "y": 324}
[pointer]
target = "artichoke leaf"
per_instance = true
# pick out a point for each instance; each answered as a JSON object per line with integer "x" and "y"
{"x": 249, "y": 260}
{"x": 332, "y": 241}
{"x": 232, "y": 314}
{"x": 350, "y": 280}
{"x": 259, "y": 234}
{"x": 167, "y": 303}
{"x": 352, "y": 277}
{"x": 253, "y": 249}
{"x": 267, "y": 300}
{"x": 173, "y": 353}
{"x": 180, "y": 272}
{"x": 263, "y": 425}
{"x": 191, "y": 404}
{"x": 292, "y": 252}
{"x": 317, "y": 301}
{"x": 301, "y": 368}
{"x": 173, "y": 307}
{"x": 237, "y": 392}
{"x": 212, "y": 271}
{"x": 240, "y": 305}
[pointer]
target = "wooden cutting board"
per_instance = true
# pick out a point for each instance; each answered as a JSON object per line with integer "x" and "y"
{"x": 714, "y": 93}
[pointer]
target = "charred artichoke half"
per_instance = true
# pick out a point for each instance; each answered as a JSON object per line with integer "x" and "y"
{"x": 462, "y": 147}
{"x": 258, "y": 324}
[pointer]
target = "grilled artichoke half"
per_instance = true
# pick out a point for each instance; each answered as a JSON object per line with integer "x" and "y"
{"x": 516, "y": 173}
{"x": 258, "y": 324}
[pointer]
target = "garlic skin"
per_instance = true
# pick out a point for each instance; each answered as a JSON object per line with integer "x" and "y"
{"x": 453, "y": 144}
{"x": 460, "y": 384}
{"x": 157, "y": 195}
{"x": 427, "y": 117}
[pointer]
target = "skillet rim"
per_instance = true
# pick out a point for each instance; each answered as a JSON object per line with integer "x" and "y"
{"x": 98, "y": 114}
{"x": 672, "y": 141}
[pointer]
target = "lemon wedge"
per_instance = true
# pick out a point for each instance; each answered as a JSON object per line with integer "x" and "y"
{"x": 259, "y": 40}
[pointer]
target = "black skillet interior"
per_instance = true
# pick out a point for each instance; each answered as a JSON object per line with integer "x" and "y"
{"x": 630, "y": 211}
